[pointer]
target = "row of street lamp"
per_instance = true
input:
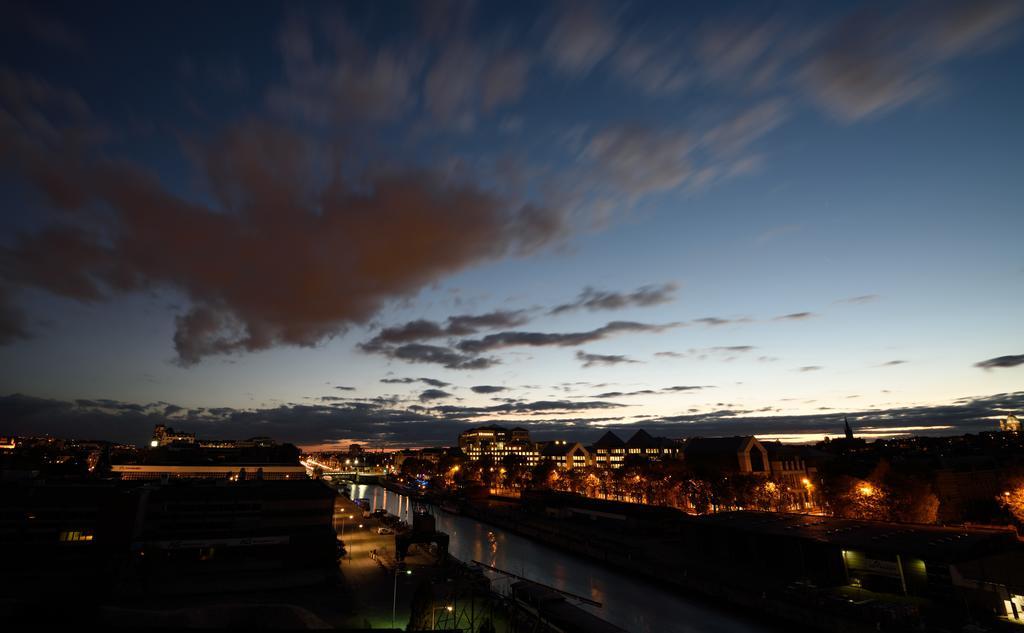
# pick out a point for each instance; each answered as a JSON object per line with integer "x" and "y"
{"x": 397, "y": 573}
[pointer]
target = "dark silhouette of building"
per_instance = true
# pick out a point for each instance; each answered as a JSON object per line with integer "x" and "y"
{"x": 739, "y": 454}
{"x": 102, "y": 539}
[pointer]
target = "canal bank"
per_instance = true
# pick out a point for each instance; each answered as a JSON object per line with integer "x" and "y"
{"x": 638, "y": 605}
{"x": 777, "y": 570}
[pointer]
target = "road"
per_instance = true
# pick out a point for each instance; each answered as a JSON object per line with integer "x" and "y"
{"x": 372, "y": 583}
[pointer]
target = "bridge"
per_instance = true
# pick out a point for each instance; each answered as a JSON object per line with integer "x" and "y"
{"x": 343, "y": 472}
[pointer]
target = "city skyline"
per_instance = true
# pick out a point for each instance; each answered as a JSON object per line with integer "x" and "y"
{"x": 335, "y": 224}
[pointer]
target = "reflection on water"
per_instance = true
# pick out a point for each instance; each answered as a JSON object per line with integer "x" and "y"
{"x": 635, "y": 605}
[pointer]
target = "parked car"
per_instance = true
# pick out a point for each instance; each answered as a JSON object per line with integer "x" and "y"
{"x": 385, "y": 530}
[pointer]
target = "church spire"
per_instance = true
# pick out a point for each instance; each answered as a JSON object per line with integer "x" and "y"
{"x": 849, "y": 431}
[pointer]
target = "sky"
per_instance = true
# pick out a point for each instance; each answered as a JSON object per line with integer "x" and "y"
{"x": 388, "y": 222}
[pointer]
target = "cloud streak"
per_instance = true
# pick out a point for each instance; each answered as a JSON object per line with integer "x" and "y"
{"x": 381, "y": 423}
{"x": 1001, "y": 362}
{"x": 593, "y": 300}
{"x": 595, "y": 360}
{"x": 459, "y": 325}
{"x": 568, "y": 339}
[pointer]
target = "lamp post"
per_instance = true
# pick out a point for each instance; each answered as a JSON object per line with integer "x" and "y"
{"x": 343, "y": 526}
{"x": 347, "y": 550}
{"x": 394, "y": 597}
{"x": 434, "y": 610}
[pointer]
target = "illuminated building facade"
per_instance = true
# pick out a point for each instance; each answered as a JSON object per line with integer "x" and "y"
{"x": 566, "y": 455}
{"x": 232, "y": 472}
{"x": 1010, "y": 424}
{"x": 174, "y": 455}
{"x": 165, "y": 435}
{"x": 498, "y": 443}
{"x": 610, "y": 451}
{"x": 642, "y": 444}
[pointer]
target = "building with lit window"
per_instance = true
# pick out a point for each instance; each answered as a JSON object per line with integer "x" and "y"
{"x": 172, "y": 457}
{"x": 165, "y": 435}
{"x": 1009, "y": 424}
{"x": 642, "y": 444}
{"x": 610, "y": 451}
{"x": 566, "y": 455}
{"x": 497, "y": 443}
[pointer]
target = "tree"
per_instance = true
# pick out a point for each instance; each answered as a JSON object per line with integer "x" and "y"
{"x": 1012, "y": 499}
{"x": 911, "y": 500}
{"x": 852, "y": 498}
{"x": 545, "y": 475}
{"x": 415, "y": 467}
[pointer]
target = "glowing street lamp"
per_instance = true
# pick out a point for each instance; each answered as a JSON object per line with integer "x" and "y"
{"x": 343, "y": 519}
{"x": 394, "y": 597}
{"x": 446, "y": 607}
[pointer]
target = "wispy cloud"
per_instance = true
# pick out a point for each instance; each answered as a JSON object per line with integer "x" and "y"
{"x": 437, "y": 355}
{"x": 488, "y": 389}
{"x": 1001, "y": 361}
{"x": 795, "y": 316}
{"x": 591, "y": 299}
{"x": 593, "y": 360}
{"x": 459, "y": 325}
{"x": 566, "y": 339}
{"x": 859, "y": 299}
{"x": 433, "y": 382}
{"x": 873, "y": 63}
{"x": 433, "y": 394}
{"x": 381, "y": 422}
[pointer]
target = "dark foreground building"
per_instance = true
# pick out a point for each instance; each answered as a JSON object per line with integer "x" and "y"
{"x": 119, "y": 540}
{"x": 822, "y": 571}
{"x": 966, "y": 573}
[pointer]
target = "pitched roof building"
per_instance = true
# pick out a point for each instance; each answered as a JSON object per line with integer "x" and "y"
{"x": 739, "y": 454}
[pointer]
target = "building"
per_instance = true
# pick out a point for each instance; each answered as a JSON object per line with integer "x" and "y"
{"x": 788, "y": 463}
{"x": 846, "y": 444}
{"x": 233, "y": 472}
{"x": 643, "y": 445}
{"x": 1009, "y": 424}
{"x": 959, "y": 571}
{"x": 966, "y": 483}
{"x": 104, "y": 539}
{"x": 566, "y": 455}
{"x": 173, "y": 457}
{"x": 165, "y": 435}
{"x": 196, "y": 536}
{"x": 609, "y": 451}
{"x": 497, "y": 443}
{"x": 739, "y": 454}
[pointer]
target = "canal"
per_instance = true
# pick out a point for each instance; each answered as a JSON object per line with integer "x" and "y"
{"x": 631, "y": 603}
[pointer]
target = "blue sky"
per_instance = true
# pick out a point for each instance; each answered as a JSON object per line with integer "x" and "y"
{"x": 218, "y": 219}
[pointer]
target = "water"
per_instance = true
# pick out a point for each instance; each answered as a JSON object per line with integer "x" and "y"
{"x": 635, "y": 605}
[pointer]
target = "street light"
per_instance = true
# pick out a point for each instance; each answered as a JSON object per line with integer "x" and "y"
{"x": 434, "y": 610}
{"x": 394, "y": 597}
{"x": 343, "y": 526}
